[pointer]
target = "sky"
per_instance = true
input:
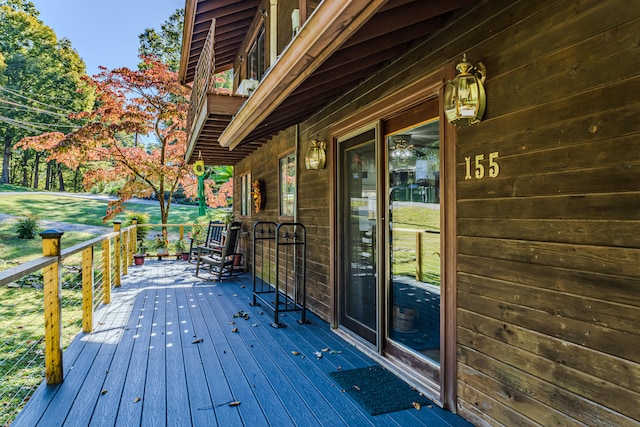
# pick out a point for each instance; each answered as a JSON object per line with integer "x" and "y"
{"x": 105, "y": 32}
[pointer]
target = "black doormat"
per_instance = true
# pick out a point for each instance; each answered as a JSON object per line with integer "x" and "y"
{"x": 377, "y": 390}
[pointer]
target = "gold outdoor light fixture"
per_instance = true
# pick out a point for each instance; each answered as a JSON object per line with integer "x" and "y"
{"x": 464, "y": 97}
{"x": 316, "y": 156}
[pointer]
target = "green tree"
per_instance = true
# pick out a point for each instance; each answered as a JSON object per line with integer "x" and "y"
{"x": 148, "y": 102}
{"x": 39, "y": 85}
{"x": 166, "y": 43}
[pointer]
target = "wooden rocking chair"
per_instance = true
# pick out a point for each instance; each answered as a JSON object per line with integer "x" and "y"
{"x": 212, "y": 241}
{"x": 221, "y": 262}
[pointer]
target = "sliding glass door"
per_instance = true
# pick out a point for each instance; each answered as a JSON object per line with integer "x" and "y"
{"x": 358, "y": 285}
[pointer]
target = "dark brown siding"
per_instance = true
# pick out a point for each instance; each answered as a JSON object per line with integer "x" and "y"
{"x": 548, "y": 282}
{"x": 548, "y": 258}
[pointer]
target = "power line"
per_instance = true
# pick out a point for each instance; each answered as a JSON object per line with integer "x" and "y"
{"x": 60, "y": 98}
{"x": 4, "y": 89}
{"x": 39, "y": 110}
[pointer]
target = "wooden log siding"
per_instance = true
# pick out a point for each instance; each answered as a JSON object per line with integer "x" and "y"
{"x": 312, "y": 202}
{"x": 548, "y": 251}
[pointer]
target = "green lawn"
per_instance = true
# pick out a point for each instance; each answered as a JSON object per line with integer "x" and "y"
{"x": 84, "y": 211}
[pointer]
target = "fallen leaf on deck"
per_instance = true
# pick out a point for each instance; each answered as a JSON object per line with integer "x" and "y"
{"x": 339, "y": 368}
{"x": 234, "y": 330}
{"x": 335, "y": 352}
{"x": 232, "y": 323}
{"x": 255, "y": 324}
{"x": 356, "y": 387}
{"x": 417, "y": 405}
{"x": 326, "y": 349}
{"x": 236, "y": 403}
{"x": 295, "y": 353}
{"x": 243, "y": 286}
{"x": 136, "y": 400}
{"x": 198, "y": 341}
{"x": 103, "y": 392}
{"x": 318, "y": 354}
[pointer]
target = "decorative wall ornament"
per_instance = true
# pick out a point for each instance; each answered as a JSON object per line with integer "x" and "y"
{"x": 258, "y": 193}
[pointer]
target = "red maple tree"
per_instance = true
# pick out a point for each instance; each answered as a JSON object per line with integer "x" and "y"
{"x": 148, "y": 103}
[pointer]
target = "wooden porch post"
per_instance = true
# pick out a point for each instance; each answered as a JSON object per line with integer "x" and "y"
{"x": 117, "y": 251}
{"x": 52, "y": 308}
{"x": 419, "y": 256}
{"x": 87, "y": 289}
{"x": 134, "y": 238}
{"x": 106, "y": 271}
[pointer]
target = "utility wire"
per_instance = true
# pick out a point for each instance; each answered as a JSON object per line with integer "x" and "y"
{"x": 60, "y": 98}
{"x": 4, "y": 89}
{"x": 39, "y": 110}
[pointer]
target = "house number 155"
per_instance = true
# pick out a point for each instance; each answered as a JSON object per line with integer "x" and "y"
{"x": 494, "y": 168}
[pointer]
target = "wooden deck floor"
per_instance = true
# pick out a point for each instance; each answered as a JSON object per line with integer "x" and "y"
{"x": 164, "y": 353}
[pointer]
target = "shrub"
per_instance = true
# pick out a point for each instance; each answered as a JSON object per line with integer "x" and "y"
{"x": 27, "y": 228}
{"x": 143, "y": 218}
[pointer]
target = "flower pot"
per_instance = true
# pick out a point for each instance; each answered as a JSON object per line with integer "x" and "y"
{"x": 138, "y": 259}
{"x": 163, "y": 251}
{"x": 185, "y": 256}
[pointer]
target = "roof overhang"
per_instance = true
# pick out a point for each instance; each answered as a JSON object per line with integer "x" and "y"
{"x": 340, "y": 45}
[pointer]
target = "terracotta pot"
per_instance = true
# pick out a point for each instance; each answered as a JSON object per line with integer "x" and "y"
{"x": 185, "y": 256}
{"x": 138, "y": 259}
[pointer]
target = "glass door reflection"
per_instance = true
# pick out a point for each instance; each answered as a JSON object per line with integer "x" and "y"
{"x": 358, "y": 282}
{"x": 414, "y": 239}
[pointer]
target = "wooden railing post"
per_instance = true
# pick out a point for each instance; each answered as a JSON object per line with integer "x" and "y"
{"x": 181, "y": 232}
{"x": 87, "y": 289}
{"x": 124, "y": 243}
{"x": 134, "y": 238}
{"x": 117, "y": 251}
{"x": 52, "y": 308}
{"x": 419, "y": 240}
{"x": 106, "y": 266}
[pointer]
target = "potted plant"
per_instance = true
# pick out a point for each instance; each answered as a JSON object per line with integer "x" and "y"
{"x": 161, "y": 244}
{"x": 141, "y": 253}
{"x": 181, "y": 249}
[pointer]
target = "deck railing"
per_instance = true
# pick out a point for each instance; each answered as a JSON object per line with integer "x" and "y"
{"x": 75, "y": 282}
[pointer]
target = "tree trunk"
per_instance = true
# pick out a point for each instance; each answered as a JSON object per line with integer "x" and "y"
{"x": 47, "y": 181}
{"x": 36, "y": 170}
{"x": 6, "y": 160}
{"x": 60, "y": 179}
{"x": 25, "y": 168}
{"x": 76, "y": 178}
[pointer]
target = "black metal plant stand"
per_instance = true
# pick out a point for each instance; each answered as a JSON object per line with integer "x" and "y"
{"x": 279, "y": 268}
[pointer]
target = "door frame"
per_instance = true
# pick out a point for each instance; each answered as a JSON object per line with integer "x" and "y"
{"x": 427, "y": 87}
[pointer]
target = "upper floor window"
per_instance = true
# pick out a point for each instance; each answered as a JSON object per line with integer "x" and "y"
{"x": 256, "y": 57}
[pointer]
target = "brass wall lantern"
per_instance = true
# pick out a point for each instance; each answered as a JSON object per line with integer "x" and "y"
{"x": 464, "y": 96}
{"x": 316, "y": 156}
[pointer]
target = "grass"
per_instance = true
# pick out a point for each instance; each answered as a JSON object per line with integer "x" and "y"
{"x": 404, "y": 242}
{"x": 65, "y": 209}
{"x": 84, "y": 211}
{"x": 14, "y": 250}
{"x": 22, "y": 341}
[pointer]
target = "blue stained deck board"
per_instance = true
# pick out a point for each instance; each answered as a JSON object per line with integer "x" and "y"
{"x": 273, "y": 389}
{"x": 220, "y": 390}
{"x": 351, "y": 413}
{"x": 143, "y": 346}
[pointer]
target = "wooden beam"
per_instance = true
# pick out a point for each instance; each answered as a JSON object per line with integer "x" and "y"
{"x": 330, "y": 26}
{"x": 187, "y": 35}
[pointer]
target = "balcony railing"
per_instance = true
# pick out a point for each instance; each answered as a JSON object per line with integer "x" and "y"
{"x": 204, "y": 80}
